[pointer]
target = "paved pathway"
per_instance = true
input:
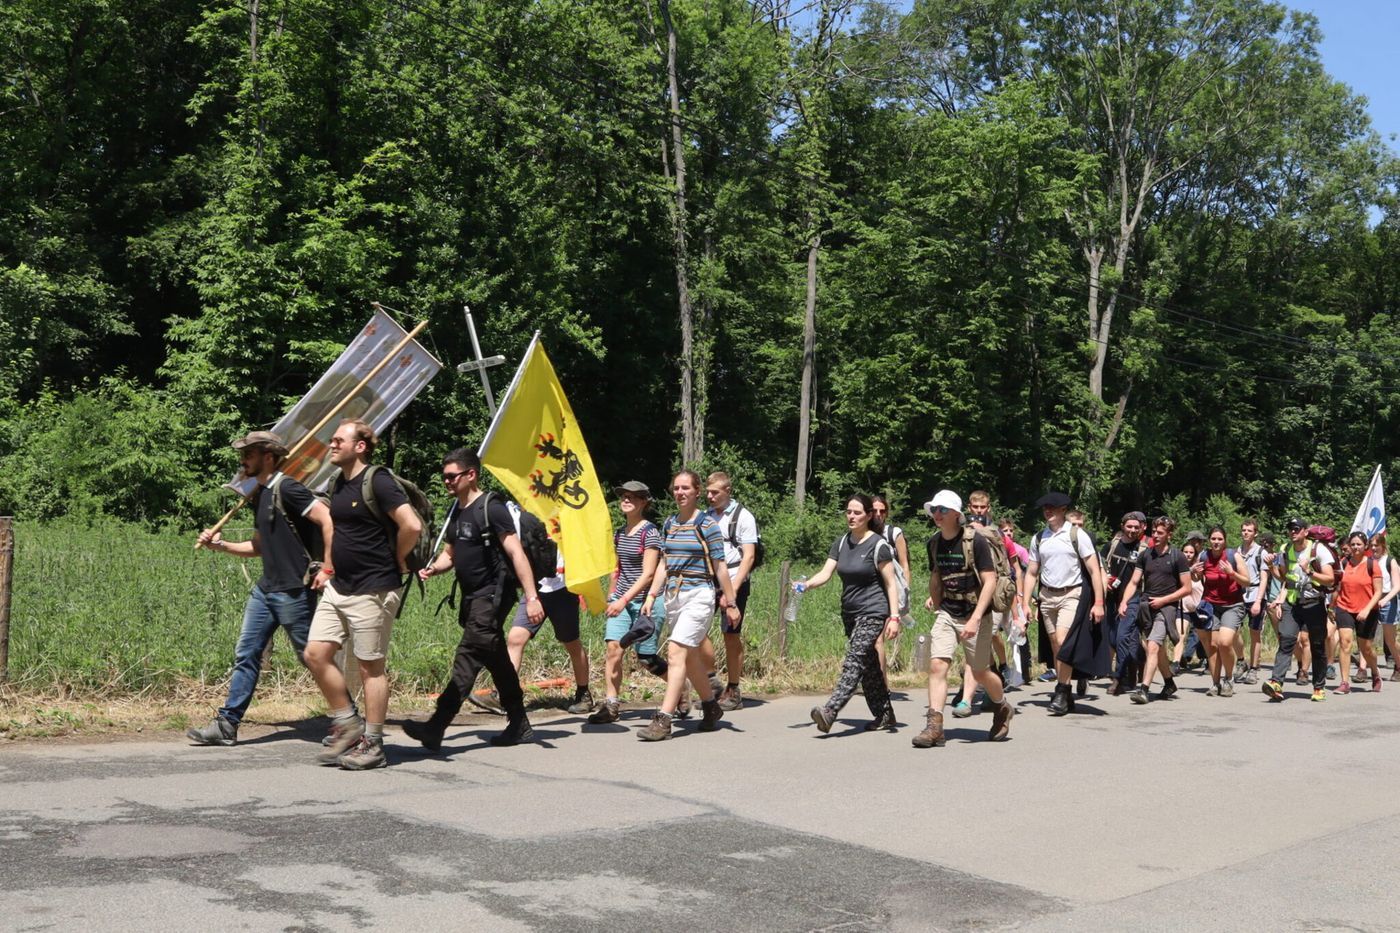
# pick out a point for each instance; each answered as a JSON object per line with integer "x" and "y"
{"x": 1208, "y": 814}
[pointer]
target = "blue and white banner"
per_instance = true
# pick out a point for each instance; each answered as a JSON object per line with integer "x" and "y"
{"x": 1370, "y": 518}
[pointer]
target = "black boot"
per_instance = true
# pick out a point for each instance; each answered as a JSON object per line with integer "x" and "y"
{"x": 1061, "y": 704}
{"x": 517, "y": 730}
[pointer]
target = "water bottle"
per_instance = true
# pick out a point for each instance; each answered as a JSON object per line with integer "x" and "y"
{"x": 923, "y": 651}
{"x": 799, "y": 586}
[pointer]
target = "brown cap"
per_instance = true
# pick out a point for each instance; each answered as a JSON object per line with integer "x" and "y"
{"x": 261, "y": 439}
{"x": 634, "y": 487}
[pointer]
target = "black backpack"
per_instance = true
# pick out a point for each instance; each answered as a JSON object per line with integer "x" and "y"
{"x": 540, "y": 549}
{"x": 312, "y": 543}
{"x": 758, "y": 549}
{"x": 422, "y": 553}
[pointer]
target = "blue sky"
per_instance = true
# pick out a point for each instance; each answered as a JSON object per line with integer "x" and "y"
{"x": 1359, "y": 38}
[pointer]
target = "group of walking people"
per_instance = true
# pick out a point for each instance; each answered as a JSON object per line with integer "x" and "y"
{"x": 335, "y": 571}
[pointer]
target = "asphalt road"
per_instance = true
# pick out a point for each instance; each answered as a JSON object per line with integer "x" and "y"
{"x": 1200, "y": 813}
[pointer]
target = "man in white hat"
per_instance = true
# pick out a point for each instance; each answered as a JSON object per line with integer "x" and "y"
{"x": 961, "y": 599}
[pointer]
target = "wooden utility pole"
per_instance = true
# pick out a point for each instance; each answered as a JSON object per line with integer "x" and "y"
{"x": 7, "y": 566}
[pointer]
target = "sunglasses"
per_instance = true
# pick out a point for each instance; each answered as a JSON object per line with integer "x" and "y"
{"x": 450, "y": 478}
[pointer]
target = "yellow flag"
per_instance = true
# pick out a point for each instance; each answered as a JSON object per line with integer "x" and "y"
{"x": 535, "y": 449}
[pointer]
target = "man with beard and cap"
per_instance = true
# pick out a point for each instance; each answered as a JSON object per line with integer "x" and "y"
{"x": 1121, "y": 587}
{"x": 1063, "y": 561}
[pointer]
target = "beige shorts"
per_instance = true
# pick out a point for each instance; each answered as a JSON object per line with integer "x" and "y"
{"x": 947, "y": 632}
{"x": 368, "y": 618}
{"x": 1058, "y": 609}
{"x": 689, "y": 613}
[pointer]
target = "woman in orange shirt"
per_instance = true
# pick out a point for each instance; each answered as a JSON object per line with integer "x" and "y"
{"x": 1358, "y": 595}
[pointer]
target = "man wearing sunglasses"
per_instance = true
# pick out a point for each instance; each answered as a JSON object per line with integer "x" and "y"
{"x": 480, "y": 539}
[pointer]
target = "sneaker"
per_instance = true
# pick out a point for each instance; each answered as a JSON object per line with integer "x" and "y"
{"x": 515, "y": 732}
{"x": 1227, "y": 689}
{"x": 1376, "y": 683}
{"x": 731, "y": 699}
{"x": 683, "y": 707}
{"x": 1048, "y": 676}
{"x": 823, "y": 718}
{"x": 658, "y": 729}
{"x": 487, "y": 701}
{"x": 1319, "y": 695}
{"x": 607, "y": 712}
{"x": 1395, "y": 675}
{"x": 218, "y": 732}
{"x": 366, "y": 755}
{"x": 1331, "y": 672}
{"x": 424, "y": 734}
{"x": 1343, "y": 688}
{"x": 1241, "y": 668}
{"x": 1273, "y": 689}
{"x": 1176, "y": 668}
{"x": 1001, "y": 720}
{"x": 1139, "y": 696}
{"x": 710, "y": 715}
{"x": 347, "y": 733}
{"x": 1302, "y": 679}
{"x": 1213, "y": 690}
{"x": 583, "y": 701}
{"x": 1251, "y": 677}
{"x": 1168, "y": 691}
{"x": 962, "y": 710}
{"x": 886, "y": 722}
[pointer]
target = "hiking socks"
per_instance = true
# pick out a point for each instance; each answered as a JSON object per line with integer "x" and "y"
{"x": 374, "y": 732}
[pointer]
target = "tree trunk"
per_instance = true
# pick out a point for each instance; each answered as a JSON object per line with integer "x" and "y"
{"x": 809, "y": 355}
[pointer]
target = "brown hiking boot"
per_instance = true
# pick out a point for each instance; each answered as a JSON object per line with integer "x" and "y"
{"x": 1001, "y": 720}
{"x": 658, "y": 729}
{"x": 710, "y": 715}
{"x": 932, "y": 736}
{"x": 348, "y": 732}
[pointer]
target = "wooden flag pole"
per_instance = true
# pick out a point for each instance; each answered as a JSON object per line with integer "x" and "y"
{"x": 306, "y": 439}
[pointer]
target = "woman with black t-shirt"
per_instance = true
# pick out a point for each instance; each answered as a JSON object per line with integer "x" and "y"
{"x": 869, "y": 609}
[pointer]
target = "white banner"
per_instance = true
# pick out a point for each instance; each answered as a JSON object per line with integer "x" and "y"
{"x": 1370, "y": 518}
{"x": 378, "y": 403}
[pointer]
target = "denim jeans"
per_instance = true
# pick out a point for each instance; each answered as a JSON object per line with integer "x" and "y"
{"x": 1127, "y": 642}
{"x": 262, "y": 616}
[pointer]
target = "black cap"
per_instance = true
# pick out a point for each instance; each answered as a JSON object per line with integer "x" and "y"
{"x": 1135, "y": 517}
{"x": 1053, "y": 500}
{"x": 1295, "y": 524}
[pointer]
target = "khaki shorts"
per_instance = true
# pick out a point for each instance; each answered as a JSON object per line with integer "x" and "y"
{"x": 368, "y": 618}
{"x": 947, "y": 632}
{"x": 1058, "y": 609}
{"x": 689, "y": 613}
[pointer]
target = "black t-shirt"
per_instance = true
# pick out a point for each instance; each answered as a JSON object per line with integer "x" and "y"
{"x": 961, "y": 585}
{"x": 284, "y": 552}
{"x": 1120, "y": 560}
{"x": 858, "y": 565}
{"x": 364, "y": 550}
{"x": 480, "y": 565}
{"x": 1161, "y": 573}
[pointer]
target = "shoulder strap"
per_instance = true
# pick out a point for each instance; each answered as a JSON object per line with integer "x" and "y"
{"x": 280, "y": 507}
{"x": 734, "y": 525}
{"x": 372, "y": 501}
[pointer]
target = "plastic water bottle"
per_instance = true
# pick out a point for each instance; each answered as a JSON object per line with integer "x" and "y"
{"x": 923, "y": 651}
{"x": 799, "y": 586}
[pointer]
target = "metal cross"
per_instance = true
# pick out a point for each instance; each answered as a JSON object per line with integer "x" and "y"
{"x": 480, "y": 364}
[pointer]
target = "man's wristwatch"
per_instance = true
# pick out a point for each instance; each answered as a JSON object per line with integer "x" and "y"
{"x": 532, "y": 599}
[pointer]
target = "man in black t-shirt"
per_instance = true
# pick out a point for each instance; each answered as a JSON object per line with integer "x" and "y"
{"x": 480, "y": 539}
{"x": 288, "y": 522}
{"x": 362, "y": 598}
{"x": 961, "y": 599}
{"x": 1166, "y": 580}
{"x": 1122, "y": 585}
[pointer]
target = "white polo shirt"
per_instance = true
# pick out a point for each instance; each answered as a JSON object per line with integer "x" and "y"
{"x": 1054, "y": 552}
{"x": 746, "y": 532}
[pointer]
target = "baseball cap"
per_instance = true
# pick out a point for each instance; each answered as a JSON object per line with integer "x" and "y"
{"x": 1135, "y": 517}
{"x": 1296, "y": 524}
{"x": 634, "y": 487}
{"x": 944, "y": 499}
{"x": 261, "y": 439}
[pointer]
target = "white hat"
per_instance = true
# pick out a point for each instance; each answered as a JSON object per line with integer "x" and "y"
{"x": 945, "y": 498}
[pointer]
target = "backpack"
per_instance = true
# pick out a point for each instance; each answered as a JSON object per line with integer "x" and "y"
{"x": 696, "y": 528}
{"x": 733, "y": 537}
{"x": 1325, "y": 536}
{"x": 1005, "y": 593}
{"x": 901, "y": 582}
{"x": 540, "y": 549}
{"x": 314, "y": 547}
{"x": 422, "y": 553}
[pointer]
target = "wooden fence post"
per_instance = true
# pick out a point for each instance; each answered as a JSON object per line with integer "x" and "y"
{"x": 7, "y": 566}
{"x": 784, "y": 594}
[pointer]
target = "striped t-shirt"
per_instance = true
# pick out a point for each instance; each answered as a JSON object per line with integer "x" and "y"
{"x": 631, "y": 547}
{"x": 685, "y": 555}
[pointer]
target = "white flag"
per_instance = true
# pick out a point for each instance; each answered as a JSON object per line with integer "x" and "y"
{"x": 1370, "y": 518}
{"x": 378, "y": 403}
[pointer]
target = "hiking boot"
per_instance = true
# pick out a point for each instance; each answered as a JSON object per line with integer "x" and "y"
{"x": 583, "y": 701}
{"x": 1168, "y": 690}
{"x": 1060, "y": 705}
{"x": 658, "y": 729}
{"x": 823, "y": 717}
{"x": 424, "y": 734}
{"x": 731, "y": 699}
{"x": 1227, "y": 689}
{"x": 1302, "y": 679}
{"x": 517, "y": 730}
{"x": 1213, "y": 690}
{"x": 1241, "y": 668}
{"x": 1319, "y": 695}
{"x": 1343, "y": 688}
{"x": 683, "y": 707}
{"x": 606, "y": 713}
{"x": 962, "y": 710}
{"x": 1139, "y": 696}
{"x": 365, "y": 755}
{"x": 487, "y": 701}
{"x": 1273, "y": 689}
{"x": 218, "y": 732}
{"x": 885, "y": 722}
{"x": 1081, "y": 687}
{"x": 716, "y": 688}
{"x": 1001, "y": 720}
{"x": 932, "y": 736}
{"x": 710, "y": 715}
{"x": 347, "y": 733}
{"x": 1396, "y": 674}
